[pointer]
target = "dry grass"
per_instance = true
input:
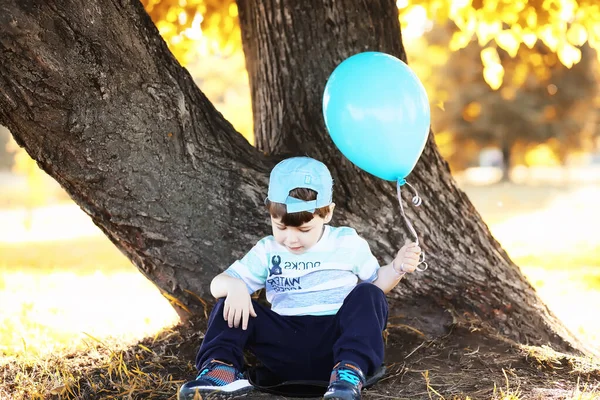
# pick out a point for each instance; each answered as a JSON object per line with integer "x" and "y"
{"x": 548, "y": 359}
{"x": 453, "y": 372}
{"x": 103, "y": 370}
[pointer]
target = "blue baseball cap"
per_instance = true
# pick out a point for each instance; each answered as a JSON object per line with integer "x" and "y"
{"x": 300, "y": 172}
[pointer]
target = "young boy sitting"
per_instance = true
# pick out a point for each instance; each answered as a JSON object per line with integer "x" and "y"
{"x": 327, "y": 295}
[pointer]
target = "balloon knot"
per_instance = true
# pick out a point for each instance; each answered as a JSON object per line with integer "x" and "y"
{"x": 401, "y": 181}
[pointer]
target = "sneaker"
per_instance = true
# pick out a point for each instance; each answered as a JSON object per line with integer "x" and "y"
{"x": 216, "y": 380}
{"x": 346, "y": 382}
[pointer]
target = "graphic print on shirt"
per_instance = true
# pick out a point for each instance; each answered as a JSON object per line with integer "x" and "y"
{"x": 281, "y": 283}
{"x": 275, "y": 269}
{"x": 301, "y": 265}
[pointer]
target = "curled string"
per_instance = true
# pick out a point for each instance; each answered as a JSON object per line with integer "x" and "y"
{"x": 416, "y": 200}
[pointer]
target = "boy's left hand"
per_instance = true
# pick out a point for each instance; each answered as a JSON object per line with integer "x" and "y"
{"x": 407, "y": 258}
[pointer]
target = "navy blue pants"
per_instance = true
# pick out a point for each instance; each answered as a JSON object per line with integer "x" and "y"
{"x": 304, "y": 347}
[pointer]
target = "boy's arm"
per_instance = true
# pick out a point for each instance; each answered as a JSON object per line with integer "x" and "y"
{"x": 223, "y": 284}
{"x": 406, "y": 260}
{"x": 238, "y": 307}
{"x": 387, "y": 278}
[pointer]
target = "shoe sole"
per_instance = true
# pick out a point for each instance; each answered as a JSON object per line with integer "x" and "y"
{"x": 216, "y": 393}
{"x": 338, "y": 398}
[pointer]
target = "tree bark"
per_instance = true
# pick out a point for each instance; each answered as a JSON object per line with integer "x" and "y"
{"x": 93, "y": 94}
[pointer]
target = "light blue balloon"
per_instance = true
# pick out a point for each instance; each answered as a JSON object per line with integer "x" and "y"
{"x": 377, "y": 113}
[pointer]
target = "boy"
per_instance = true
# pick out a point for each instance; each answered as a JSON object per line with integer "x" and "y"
{"x": 323, "y": 324}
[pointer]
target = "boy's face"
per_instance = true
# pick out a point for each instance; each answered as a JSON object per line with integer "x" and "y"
{"x": 299, "y": 239}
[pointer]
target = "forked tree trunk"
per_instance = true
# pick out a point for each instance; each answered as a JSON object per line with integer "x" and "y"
{"x": 93, "y": 94}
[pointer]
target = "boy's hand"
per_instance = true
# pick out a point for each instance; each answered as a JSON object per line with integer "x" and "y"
{"x": 238, "y": 307}
{"x": 407, "y": 258}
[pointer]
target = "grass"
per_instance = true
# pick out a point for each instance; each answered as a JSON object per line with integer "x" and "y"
{"x": 54, "y": 293}
{"x": 99, "y": 370}
{"x": 551, "y": 232}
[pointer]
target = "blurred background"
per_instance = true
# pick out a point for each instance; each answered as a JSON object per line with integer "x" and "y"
{"x": 515, "y": 109}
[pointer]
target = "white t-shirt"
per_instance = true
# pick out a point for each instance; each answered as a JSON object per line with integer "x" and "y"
{"x": 313, "y": 283}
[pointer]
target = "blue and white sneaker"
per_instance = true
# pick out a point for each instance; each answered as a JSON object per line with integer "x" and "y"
{"x": 346, "y": 382}
{"x": 217, "y": 380}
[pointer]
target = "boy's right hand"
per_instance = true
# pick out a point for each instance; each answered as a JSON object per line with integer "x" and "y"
{"x": 407, "y": 258}
{"x": 238, "y": 306}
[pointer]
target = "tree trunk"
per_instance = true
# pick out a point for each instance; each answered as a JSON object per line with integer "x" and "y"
{"x": 93, "y": 94}
{"x": 96, "y": 98}
{"x": 507, "y": 145}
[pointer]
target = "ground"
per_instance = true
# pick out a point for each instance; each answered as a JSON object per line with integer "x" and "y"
{"x": 466, "y": 362}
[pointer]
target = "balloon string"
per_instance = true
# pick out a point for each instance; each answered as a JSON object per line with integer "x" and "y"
{"x": 417, "y": 201}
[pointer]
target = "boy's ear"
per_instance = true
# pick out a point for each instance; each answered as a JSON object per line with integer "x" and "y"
{"x": 330, "y": 213}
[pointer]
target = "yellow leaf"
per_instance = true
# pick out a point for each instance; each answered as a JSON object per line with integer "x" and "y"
{"x": 546, "y": 34}
{"x": 466, "y": 20}
{"x": 172, "y": 14}
{"x": 438, "y": 55}
{"x": 593, "y": 40}
{"x": 459, "y": 40}
{"x": 472, "y": 111}
{"x": 536, "y": 59}
{"x": 489, "y": 56}
{"x": 439, "y": 11}
{"x": 595, "y": 26}
{"x": 529, "y": 38}
{"x": 577, "y": 35}
{"x": 531, "y": 17}
{"x": 568, "y": 55}
{"x": 459, "y": 6}
{"x": 233, "y": 10}
{"x": 444, "y": 138}
{"x": 487, "y": 31}
{"x": 165, "y": 28}
{"x": 520, "y": 74}
{"x": 567, "y": 10}
{"x": 508, "y": 41}
{"x": 493, "y": 75}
